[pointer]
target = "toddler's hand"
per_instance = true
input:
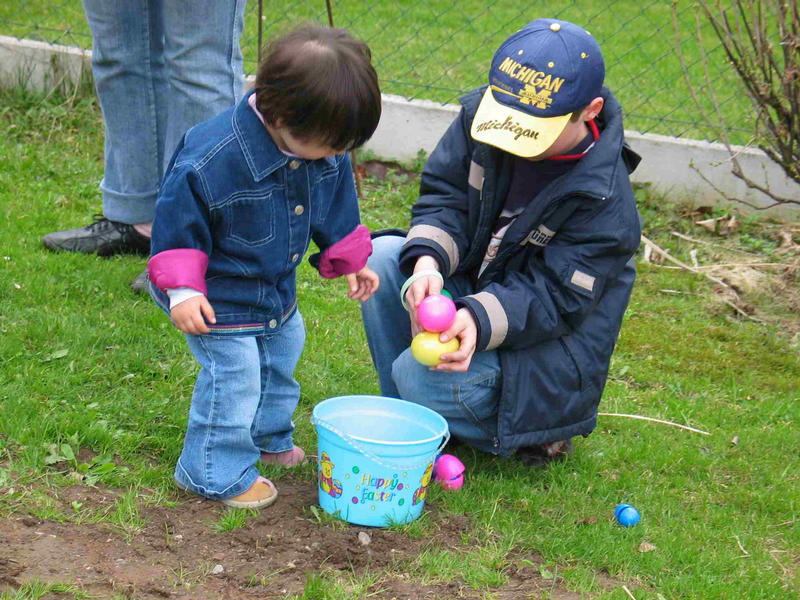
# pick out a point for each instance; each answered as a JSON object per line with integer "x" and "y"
{"x": 188, "y": 315}
{"x": 465, "y": 329}
{"x": 362, "y": 284}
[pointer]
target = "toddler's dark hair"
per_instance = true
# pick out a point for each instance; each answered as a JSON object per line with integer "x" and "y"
{"x": 320, "y": 83}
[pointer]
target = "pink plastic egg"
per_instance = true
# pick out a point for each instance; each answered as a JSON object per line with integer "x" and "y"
{"x": 447, "y": 469}
{"x": 436, "y": 312}
{"x": 453, "y": 484}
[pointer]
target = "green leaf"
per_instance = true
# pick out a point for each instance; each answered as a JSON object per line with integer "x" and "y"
{"x": 315, "y": 512}
{"x": 545, "y": 573}
{"x": 66, "y": 451}
{"x": 104, "y": 469}
{"x": 56, "y": 355}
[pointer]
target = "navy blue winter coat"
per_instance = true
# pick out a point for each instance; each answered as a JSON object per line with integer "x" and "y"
{"x": 552, "y": 300}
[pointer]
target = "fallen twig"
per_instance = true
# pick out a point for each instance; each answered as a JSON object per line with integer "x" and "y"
{"x": 683, "y": 265}
{"x": 707, "y": 243}
{"x": 789, "y": 522}
{"x": 746, "y": 553}
{"x": 730, "y": 265}
{"x": 741, "y": 312}
{"x": 640, "y": 417}
{"x": 627, "y": 591}
{"x": 693, "y": 255}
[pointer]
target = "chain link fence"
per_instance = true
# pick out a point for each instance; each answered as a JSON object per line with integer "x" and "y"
{"x": 439, "y": 49}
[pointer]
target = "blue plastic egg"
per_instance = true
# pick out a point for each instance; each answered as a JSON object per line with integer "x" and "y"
{"x": 626, "y": 515}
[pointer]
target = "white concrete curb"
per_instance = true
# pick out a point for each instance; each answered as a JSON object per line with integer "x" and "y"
{"x": 669, "y": 164}
{"x": 41, "y": 66}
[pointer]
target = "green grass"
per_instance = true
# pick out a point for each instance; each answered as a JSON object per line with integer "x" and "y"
{"x": 438, "y": 49}
{"x": 36, "y": 590}
{"x": 233, "y": 519}
{"x": 92, "y": 376}
{"x": 333, "y": 586}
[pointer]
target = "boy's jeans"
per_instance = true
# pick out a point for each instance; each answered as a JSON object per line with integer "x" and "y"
{"x": 242, "y": 405}
{"x": 467, "y": 400}
{"x": 159, "y": 68}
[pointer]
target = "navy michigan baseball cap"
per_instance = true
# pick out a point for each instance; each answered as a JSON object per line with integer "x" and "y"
{"x": 538, "y": 78}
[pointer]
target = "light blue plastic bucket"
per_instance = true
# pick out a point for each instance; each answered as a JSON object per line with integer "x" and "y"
{"x": 375, "y": 457}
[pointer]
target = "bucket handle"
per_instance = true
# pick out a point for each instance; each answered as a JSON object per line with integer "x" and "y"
{"x": 352, "y": 442}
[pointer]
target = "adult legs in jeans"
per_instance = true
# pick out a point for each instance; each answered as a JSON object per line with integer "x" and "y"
{"x": 245, "y": 389}
{"x": 467, "y": 400}
{"x": 159, "y": 68}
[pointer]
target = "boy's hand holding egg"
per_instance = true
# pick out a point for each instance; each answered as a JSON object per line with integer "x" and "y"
{"x": 435, "y": 314}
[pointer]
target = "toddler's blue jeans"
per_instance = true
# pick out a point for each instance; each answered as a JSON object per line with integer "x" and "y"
{"x": 242, "y": 405}
{"x": 467, "y": 400}
{"x": 159, "y": 68}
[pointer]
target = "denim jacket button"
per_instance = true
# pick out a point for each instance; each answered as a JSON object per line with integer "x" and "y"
{"x": 273, "y": 323}
{"x": 299, "y": 210}
{"x": 295, "y": 257}
{"x": 293, "y": 164}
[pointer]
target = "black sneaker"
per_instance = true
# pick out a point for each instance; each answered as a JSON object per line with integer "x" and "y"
{"x": 103, "y": 237}
{"x": 139, "y": 285}
{"x": 542, "y": 454}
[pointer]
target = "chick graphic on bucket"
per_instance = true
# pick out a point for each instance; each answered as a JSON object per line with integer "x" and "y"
{"x": 419, "y": 495}
{"x": 327, "y": 483}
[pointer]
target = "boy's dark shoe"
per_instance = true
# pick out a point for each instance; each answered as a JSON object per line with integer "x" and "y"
{"x": 103, "y": 237}
{"x": 139, "y": 285}
{"x": 542, "y": 454}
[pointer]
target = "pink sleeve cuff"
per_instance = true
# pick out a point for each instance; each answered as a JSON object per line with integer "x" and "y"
{"x": 181, "y": 267}
{"x": 348, "y": 255}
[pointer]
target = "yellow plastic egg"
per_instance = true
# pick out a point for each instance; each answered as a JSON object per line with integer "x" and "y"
{"x": 427, "y": 348}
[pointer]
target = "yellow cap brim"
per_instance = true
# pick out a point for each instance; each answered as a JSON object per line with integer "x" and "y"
{"x": 512, "y": 130}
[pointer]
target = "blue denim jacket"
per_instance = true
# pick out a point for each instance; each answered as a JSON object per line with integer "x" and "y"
{"x": 231, "y": 197}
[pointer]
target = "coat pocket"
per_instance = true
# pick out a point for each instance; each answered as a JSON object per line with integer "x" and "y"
{"x": 573, "y": 363}
{"x": 250, "y": 219}
{"x": 542, "y": 390}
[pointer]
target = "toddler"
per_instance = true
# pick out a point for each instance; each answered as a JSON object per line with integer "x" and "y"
{"x": 244, "y": 195}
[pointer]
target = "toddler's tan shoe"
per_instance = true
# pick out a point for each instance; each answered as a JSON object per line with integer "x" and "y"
{"x": 260, "y": 495}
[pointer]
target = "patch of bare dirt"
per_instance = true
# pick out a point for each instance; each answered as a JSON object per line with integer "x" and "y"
{"x": 381, "y": 169}
{"x": 178, "y": 553}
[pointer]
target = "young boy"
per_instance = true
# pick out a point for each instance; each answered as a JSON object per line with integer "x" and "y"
{"x": 527, "y": 217}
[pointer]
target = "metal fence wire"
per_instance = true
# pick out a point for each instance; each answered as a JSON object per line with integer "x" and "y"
{"x": 440, "y": 49}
